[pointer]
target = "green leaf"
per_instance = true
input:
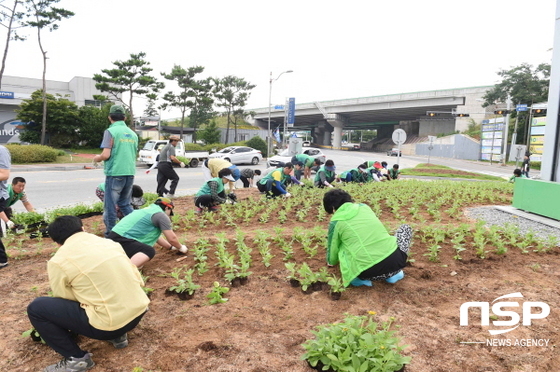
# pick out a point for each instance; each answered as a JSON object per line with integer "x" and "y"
{"x": 332, "y": 357}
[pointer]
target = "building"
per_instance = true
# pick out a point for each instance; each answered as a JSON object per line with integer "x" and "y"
{"x": 79, "y": 90}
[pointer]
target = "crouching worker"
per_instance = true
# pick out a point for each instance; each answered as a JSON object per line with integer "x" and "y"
{"x": 96, "y": 292}
{"x": 212, "y": 193}
{"x": 275, "y": 183}
{"x": 139, "y": 231}
{"x": 360, "y": 243}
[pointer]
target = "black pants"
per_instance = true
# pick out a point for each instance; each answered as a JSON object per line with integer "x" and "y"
{"x": 245, "y": 181}
{"x": 57, "y": 318}
{"x": 206, "y": 201}
{"x": 131, "y": 246}
{"x": 3, "y": 208}
{"x": 269, "y": 188}
{"x": 166, "y": 173}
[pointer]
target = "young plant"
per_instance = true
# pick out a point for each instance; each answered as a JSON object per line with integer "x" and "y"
{"x": 215, "y": 296}
{"x": 201, "y": 248}
{"x": 184, "y": 284}
{"x": 336, "y": 284}
{"x": 263, "y": 245}
{"x": 306, "y": 276}
{"x": 356, "y": 344}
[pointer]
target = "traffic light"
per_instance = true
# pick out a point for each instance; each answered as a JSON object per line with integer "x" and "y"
{"x": 539, "y": 112}
{"x": 432, "y": 113}
{"x": 461, "y": 115}
{"x": 501, "y": 112}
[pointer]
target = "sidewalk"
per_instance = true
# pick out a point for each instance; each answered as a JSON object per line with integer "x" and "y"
{"x": 52, "y": 167}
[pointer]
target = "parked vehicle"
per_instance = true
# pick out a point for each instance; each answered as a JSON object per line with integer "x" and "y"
{"x": 306, "y": 143}
{"x": 149, "y": 153}
{"x": 285, "y": 156}
{"x": 394, "y": 152}
{"x": 239, "y": 155}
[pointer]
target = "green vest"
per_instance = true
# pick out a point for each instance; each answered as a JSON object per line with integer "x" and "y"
{"x": 270, "y": 176}
{"x": 205, "y": 189}
{"x": 138, "y": 225}
{"x": 12, "y": 196}
{"x": 328, "y": 174}
{"x": 123, "y": 154}
{"x": 305, "y": 159}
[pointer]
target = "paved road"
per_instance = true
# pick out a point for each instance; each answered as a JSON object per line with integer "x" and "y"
{"x": 54, "y": 186}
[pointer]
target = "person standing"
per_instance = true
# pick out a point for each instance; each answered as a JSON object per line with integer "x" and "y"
{"x": 526, "y": 166}
{"x": 120, "y": 147}
{"x": 358, "y": 241}
{"x": 165, "y": 168}
{"x": 247, "y": 175}
{"x": 140, "y": 230}
{"x": 5, "y": 165}
{"x": 96, "y": 292}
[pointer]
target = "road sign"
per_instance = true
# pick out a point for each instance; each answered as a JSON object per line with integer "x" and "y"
{"x": 279, "y": 107}
{"x": 521, "y": 107}
{"x": 399, "y": 136}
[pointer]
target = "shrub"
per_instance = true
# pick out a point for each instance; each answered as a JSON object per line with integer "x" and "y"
{"x": 258, "y": 144}
{"x": 32, "y": 154}
{"x": 193, "y": 147}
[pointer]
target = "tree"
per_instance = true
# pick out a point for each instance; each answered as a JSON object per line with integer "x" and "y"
{"x": 131, "y": 76}
{"x": 523, "y": 85}
{"x": 189, "y": 90}
{"x": 63, "y": 122}
{"x": 11, "y": 20}
{"x": 151, "y": 109}
{"x": 43, "y": 14}
{"x": 232, "y": 94}
{"x": 92, "y": 124}
{"x": 211, "y": 133}
{"x": 203, "y": 105}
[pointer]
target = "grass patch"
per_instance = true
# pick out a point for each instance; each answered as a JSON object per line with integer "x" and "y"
{"x": 433, "y": 170}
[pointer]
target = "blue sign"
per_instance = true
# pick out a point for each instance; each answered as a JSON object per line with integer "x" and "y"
{"x": 279, "y": 107}
{"x": 9, "y": 95}
{"x": 521, "y": 107}
{"x": 291, "y": 111}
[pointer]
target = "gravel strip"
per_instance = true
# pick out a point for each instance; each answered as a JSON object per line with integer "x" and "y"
{"x": 493, "y": 216}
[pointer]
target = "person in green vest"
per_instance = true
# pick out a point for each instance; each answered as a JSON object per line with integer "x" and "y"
{"x": 307, "y": 162}
{"x": 212, "y": 193}
{"x": 276, "y": 182}
{"x": 517, "y": 173}
{"x": 326, "y": 175}
{"x": 138, "y": 231}
{"x": 120, "y": 147}
{"x": 16, "y": 191}
{"x": 358, "y": 241}
{"x": 358, "y": 175}
{"x": 394, "y": 172}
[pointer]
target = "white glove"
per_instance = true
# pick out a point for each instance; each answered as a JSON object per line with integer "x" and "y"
{"x": 96, "y": 163}
{"x": 183, "y": 249}
{"x": 10, "y": 224}
{"x": 182, "y": 165}
{"x": 287, "y": 195}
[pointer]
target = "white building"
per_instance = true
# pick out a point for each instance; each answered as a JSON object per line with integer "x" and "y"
{"x": 79, "y": 90}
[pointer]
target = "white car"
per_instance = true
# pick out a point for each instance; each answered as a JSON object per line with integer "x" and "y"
{"x": 285, "y": 157}
{"x": 306, "y": 143}
{"x": 238, "y": 155}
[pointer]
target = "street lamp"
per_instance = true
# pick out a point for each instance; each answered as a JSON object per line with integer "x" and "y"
{"x": 269, "y": 138}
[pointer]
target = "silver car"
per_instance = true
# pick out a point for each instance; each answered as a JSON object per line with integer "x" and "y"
{"x": 239, "y": 155}
{"x": 285, "y": 157}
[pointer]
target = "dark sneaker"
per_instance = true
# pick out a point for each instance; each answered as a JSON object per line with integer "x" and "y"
{"x": 3, "y": 265}
{"x": 120, "y": 342}
{"x": 72, "y": 364}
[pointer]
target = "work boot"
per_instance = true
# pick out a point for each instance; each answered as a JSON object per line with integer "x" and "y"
{"x": 120, "y": 342}
{"x": 72, "y": 364}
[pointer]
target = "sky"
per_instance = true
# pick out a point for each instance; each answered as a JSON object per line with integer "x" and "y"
{"x": 337, "y": 50}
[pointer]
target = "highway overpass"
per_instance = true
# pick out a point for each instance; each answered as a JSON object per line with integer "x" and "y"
{"x": 327, "y": 119}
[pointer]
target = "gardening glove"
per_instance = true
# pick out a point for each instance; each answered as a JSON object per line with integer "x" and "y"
{"x": 287, "y": 195}
{"x": 182, "y": 165}
{"x": 183, "y": 249}
{"x": 10, "y": 224}
{"x": 232, "y": 196}
{"x": 96, "y": 163}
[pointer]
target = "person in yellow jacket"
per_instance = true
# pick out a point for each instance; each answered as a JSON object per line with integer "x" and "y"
{"x": 211, "y": 168}
{"x": 96, "y": 292}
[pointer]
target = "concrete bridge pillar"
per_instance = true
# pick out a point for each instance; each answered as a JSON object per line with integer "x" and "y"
{"x": 337, "y": 137}
{"x": 337, "y": 121}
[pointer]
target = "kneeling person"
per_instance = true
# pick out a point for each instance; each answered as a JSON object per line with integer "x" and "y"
{"x": 360, "y": 243}
{"x": 140, "y": 230}
{"x": 212, "y": 193}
